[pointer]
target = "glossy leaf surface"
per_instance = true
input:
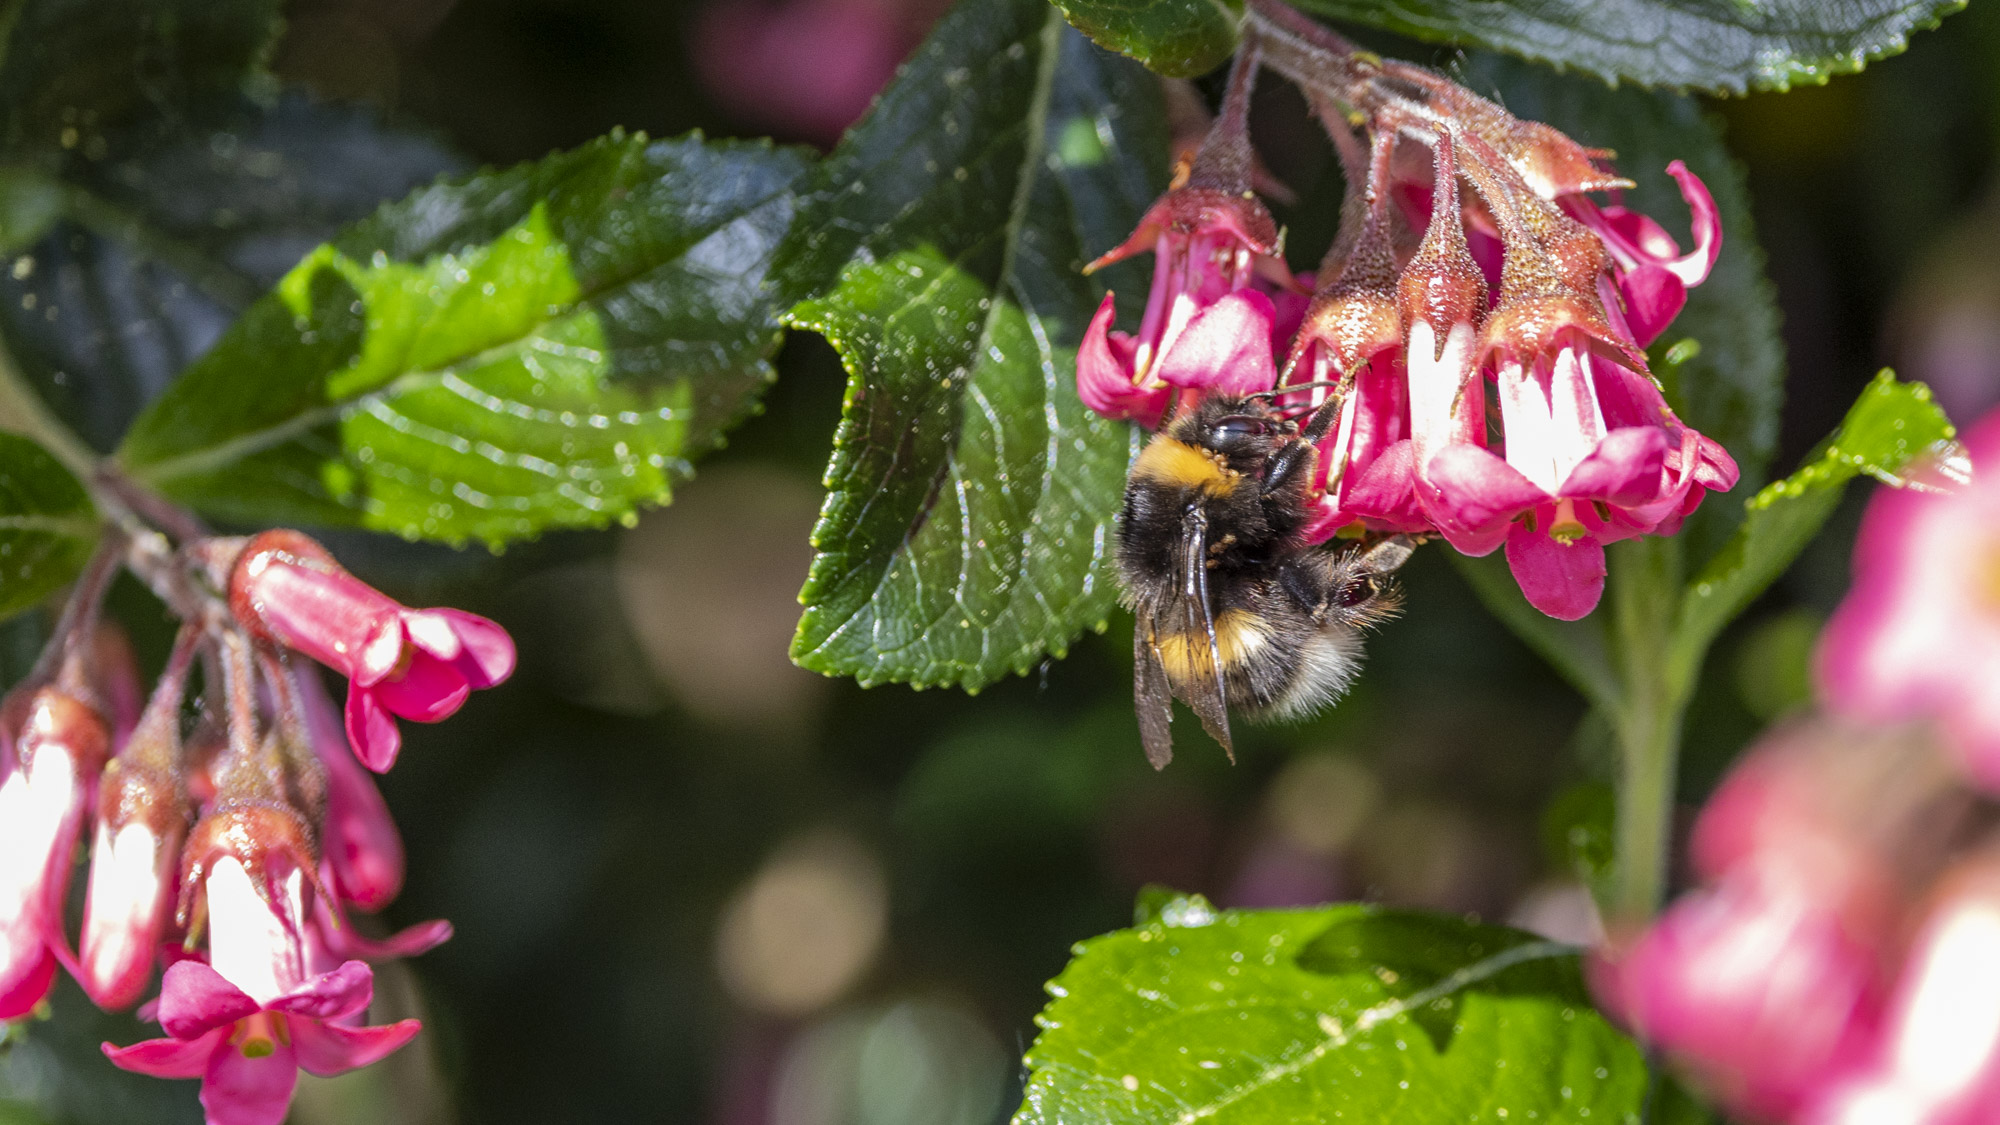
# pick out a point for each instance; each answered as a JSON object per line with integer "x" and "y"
{"x": 546, "y": 346}
{"x": 968, "y": 527}
{"x": 1177, "y": 38}
{"x": 1716, "y": 45}
{"x": 47, "y": 524}
{"x": 1339, "y": 1013}
{"x": 1889, "y": 426}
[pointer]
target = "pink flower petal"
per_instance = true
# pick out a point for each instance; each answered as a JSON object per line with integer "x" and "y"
{"x": 1626, "y": 468}
{"x": 1104, "y": 375}
{"x": 420, "y": 938}
{"x": 1692, "y": 268}
{"x": 428, "y": 691}
{"x": 241, "y": 1090}
{"x": 370, "y": 729}
{"x": 1226, "y": 348}
{"x": 195, "y": 998}
{"x": 330, "y": 995}
{"x": 359, "y": 838}
{"x": 1653, "y": 296}
{"x": 1563, "y": 580}
{"x": 33, "y": 974}
{"x": 328, "y": 1049}
{"x": 1473, "y": 496}
{"x": 1384, "y": 492}
{"x": 168, "y": 1058}
{"x": 486, "y": 653}
{"x": 1716, "y": 470}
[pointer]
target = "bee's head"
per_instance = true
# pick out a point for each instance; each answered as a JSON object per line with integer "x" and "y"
{"x": 1245, "y": 430}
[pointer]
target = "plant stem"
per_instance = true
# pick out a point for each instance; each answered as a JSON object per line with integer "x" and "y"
{"x": 22, "y": 411}
{"x": 1645, "y": 588}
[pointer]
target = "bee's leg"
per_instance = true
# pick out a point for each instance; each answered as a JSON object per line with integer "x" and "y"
{"x": 1285, "y": 464}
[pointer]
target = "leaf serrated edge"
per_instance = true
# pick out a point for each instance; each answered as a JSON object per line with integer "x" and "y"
{"x": 1739, "y": 85}
{"x": 971, "y": 678}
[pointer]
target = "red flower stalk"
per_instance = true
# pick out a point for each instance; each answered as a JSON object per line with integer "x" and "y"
{"x": 399, "y": 662}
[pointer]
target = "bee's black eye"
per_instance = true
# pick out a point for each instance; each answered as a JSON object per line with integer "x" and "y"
{"x": 1357, "y": 591}
{"x": 1236, "y": 428}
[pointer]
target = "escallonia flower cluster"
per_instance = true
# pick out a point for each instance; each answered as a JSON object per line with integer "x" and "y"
{"x": 231, "y": 834}
{"x": 1484, "y": 349}
{"x": 1836, "y": 963}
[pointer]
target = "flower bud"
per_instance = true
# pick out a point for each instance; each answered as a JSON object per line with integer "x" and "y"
{"x": 250, "y": 870}
{"x": 399, "y": 662}
{"x": 60, "y": 748}
{"x": 362, "y": 849}
{"x": 1918, "y": 637}
{"x": 141, "y": 818}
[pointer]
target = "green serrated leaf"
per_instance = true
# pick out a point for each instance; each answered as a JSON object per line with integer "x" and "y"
{"x": 543, "y": 347}
{"x": 69, "y": 68}
{"x": 1723, "y": 46}
{"x": 967, "y": 527}
{"x": 1340, "y": 1013}
{"x": 1889, "y": 426}
{"x": 47, "y": 524}
{"x": 1177, "y": 38}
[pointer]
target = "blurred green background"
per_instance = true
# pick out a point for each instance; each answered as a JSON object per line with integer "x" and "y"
{"x": 695, "y": 884}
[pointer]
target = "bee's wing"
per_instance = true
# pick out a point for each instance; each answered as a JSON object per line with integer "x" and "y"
{"x": 1152, "y": 696}
{"x": 1205, "y": 694}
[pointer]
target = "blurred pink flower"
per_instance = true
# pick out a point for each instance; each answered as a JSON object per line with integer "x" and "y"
{"x": 414, "y": 663}
{"x": 1756, "y": 984}
{"x": 1918, "y": 636}
{"x": 806, "y": 68}
{"x": 1937, "y": 1060}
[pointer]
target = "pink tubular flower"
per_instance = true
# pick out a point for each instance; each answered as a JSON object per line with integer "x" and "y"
{"x": 1919, "y": 635}
{"x": 1204, "y": 323}
{"x": 248, "y": 1052}
{"x": 1592, "y": 453}
{"x": 414, "y": 663}
{"x": 1766, "y": 982}
{"x": 1775, "y": 983}
{"x": 60, "y": 749}
{"x": 362, "y": 850}
{"x": 142, "y": 815}
{"x": 257, "y": 1011}
{"x": 140, "y": 822}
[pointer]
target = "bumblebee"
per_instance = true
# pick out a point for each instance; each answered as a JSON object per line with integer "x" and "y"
{"x": 1232, "y": 607}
